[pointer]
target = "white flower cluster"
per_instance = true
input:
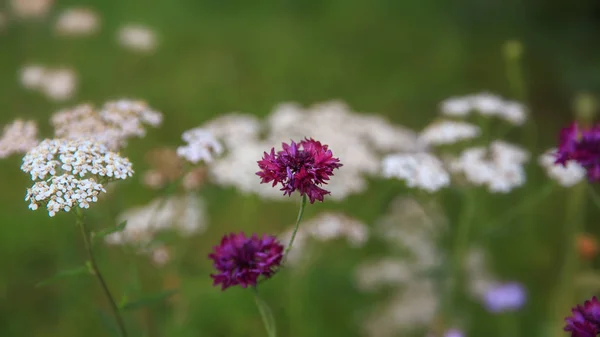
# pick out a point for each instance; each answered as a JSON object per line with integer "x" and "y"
{"x": 485, "y": 104}
{"x": 77, "y": 22}
{"x": 411, "y": 230}
{"x": 76, "y": 170}
{"x": 78, "y": 157}
{"x": 18, "y": 137}
{"x": 325, "y": 226}
{"x": 58, "y": 84}
{"x": 111, "y": 125}
{"x": 358, "y": 140}
{"x": 201, "y": 146}
{"x": 447, "y": 132}
{"x": 31, "y": 9}
{"x": 186, "y": 214}
{"x": 568, "y": 175}
{"x": 137, "y": 37}
{"x": 418, "y": 170}
{"x": 61, "y": 193}
{"x": 499, "y": 168}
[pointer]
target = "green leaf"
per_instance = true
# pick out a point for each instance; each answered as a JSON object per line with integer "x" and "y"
{"x": 267, "y": 315}
{"x": 148, "y": 300}
{"x": 65, "y": 273}
{"x": 107, "y": 231}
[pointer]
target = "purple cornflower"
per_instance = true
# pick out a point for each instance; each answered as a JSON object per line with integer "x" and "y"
{"x": 241, "y": 260}
{"x": 505, "y": 297}
{"x": 585, "y": 321}
{"x": 581, "y": 146}
{"x": 300, "y": 166}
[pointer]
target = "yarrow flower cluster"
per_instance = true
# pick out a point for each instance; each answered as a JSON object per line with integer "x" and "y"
{"x": 418, "y": 170}
{"x": 112, "y": 124}
{"x": 18, "y": 137}
{"x": 581, "y": 145}
{"x": 299, "y": 166}
{"x": 485, "y": 104}
{"x": 585, "y": 319}
{"x": 201, "y": 146}
{"x": 242, "y": 260}
{"x": 448, "y": 132}
{"x": 76, "y": 171}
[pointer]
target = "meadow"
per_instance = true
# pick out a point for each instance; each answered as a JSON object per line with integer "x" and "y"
{"x": 415, "y": 238}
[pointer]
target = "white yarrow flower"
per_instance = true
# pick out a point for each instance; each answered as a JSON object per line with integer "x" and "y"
{"x": 456, "y": 107}
{"x": 32, "y": 76}
{"x": 18, "y": 137}
{"x": 568, "y": 175}
{"x": 449, "y": 132}
{"x": 201, "y": 146}
{"x": 59, "y": 84}
{"x": 418, "y": 170}
{"x": 137, "y": 37}
{"x": 77, "y": 22}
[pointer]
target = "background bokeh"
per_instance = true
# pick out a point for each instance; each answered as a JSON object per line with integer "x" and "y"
{"x": 394, "y": 58}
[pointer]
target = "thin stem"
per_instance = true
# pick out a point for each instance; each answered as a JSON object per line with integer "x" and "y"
{"x": 96, "y": 272}
{"x": 300, "y": 213}
{"x": 266, "y": 314}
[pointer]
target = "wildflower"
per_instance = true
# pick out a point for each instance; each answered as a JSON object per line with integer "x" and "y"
{"x": 581, "y": 146}
{"x": 587, "y": 246}
{"x": 77, "y": 22}
{"x": 485, "y": 104}
{"x": 59, "y": 84}
{"x": 420, "y": 170}
{"x": 241, "y": 260}
{"x": 456, "y": 107}
{"x": 505, "y": 297}
{"x": 585, "y": 320}
{"x": 32, "y": 76}
{"x": 454, "y": 333}
{"x": 300, "y": 167}
{"x": 566, "y": 175}
{"x": 449, "y": 132}
{"x": 18, "y": 137}
{"x": 137, "y": 37}
{"x": 202, "y": 146}
{"x": 31, "y": 8}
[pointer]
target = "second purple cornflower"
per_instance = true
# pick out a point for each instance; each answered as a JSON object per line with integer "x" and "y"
{"x": 581, "y": 145}
{"x": 302, "y": 166}
{"x": 585, "y": 321}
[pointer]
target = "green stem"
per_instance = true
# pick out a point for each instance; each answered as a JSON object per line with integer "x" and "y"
{"x": 266, "y": 314}
{"x": 574, "y": 222}
{"x": 300, "y": 213}
{"x": 96, "y": 271}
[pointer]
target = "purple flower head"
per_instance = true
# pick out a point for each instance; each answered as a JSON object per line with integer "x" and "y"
{"x": 505, "y": 297}
{"x": 300, "y": 166}
{"x": 582, "y": 146}
{"x": 585, "y": 321}
{"x": 241, "y": 260}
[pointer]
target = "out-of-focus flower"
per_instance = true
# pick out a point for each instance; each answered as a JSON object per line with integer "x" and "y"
{"x": 385, "y": 272}
{"x": 137, "y": 37}
{"x": 194, "y": 178}
{"x": 585, "y": 319}
{"x": 59, "y": 84}
{"x": 113, "y": 124}
{"x": 302, "y": 167}
{"x": 28, "y": 9}
{"x": 505, "y": 297}
{"x": 186, "y": 214}
{"x": 454, "y": 333}
{"x": 587, "y": 245}
{"x": 448, "y": 132}
{"x": 500, "y": 167}
{"x": 18, "y": 137}
{"x": 241, "y": 260}
{"x": 77, "y": 22}
{"x": 485, "y": 104}
{"x": 161, "y": 256}
{"x": 566, "y": 175}
{"x": 581, "y": 145}
{"x": 201, "y": 146}
{"x": 32, "y": 76}
{"x": 418, "y": 170}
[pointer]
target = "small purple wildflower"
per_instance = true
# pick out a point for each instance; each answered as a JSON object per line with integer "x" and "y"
{"x": 585, "y": 321}
{"x": 454, "y": 333}
{"x": 241, "y": 260}
{"x": 505, "y": 297}
{"x": 582, "y": 146}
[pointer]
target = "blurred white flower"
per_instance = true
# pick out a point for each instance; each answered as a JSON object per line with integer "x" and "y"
{"x": 235, "y": 129}
{"x": 32, "y": 76}
{"x": 77, "y": 22}
{"x": 27, "y": 9}
{"x": 137, "y": 37}
{"x": 18, "y": 137}
{"x": 161, "y": 256}
{"x": 448, "y": 132}
{"x": 418, "y": 170}
{"x": 59, "y": 84}
{"x": 186, "y": 214}
{"x": 486, "y": 104}
{"x": 385, "y": 272}
{"x": 568, "y": 175}
{"x": 201, "y": 146}
{"x": 456, "y": 107}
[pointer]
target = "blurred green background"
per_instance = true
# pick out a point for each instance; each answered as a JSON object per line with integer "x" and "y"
{"x": 396, "y": 58}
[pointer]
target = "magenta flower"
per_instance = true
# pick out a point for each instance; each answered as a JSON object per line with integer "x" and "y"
{"x": 241, "y": 260}
{"x": 582, "y": 146}
{"x": 585, "y": 321}
{"x": 303, "y": 167}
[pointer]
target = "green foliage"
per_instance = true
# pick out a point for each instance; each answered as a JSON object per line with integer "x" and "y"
{"x": 83, "y": 270}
